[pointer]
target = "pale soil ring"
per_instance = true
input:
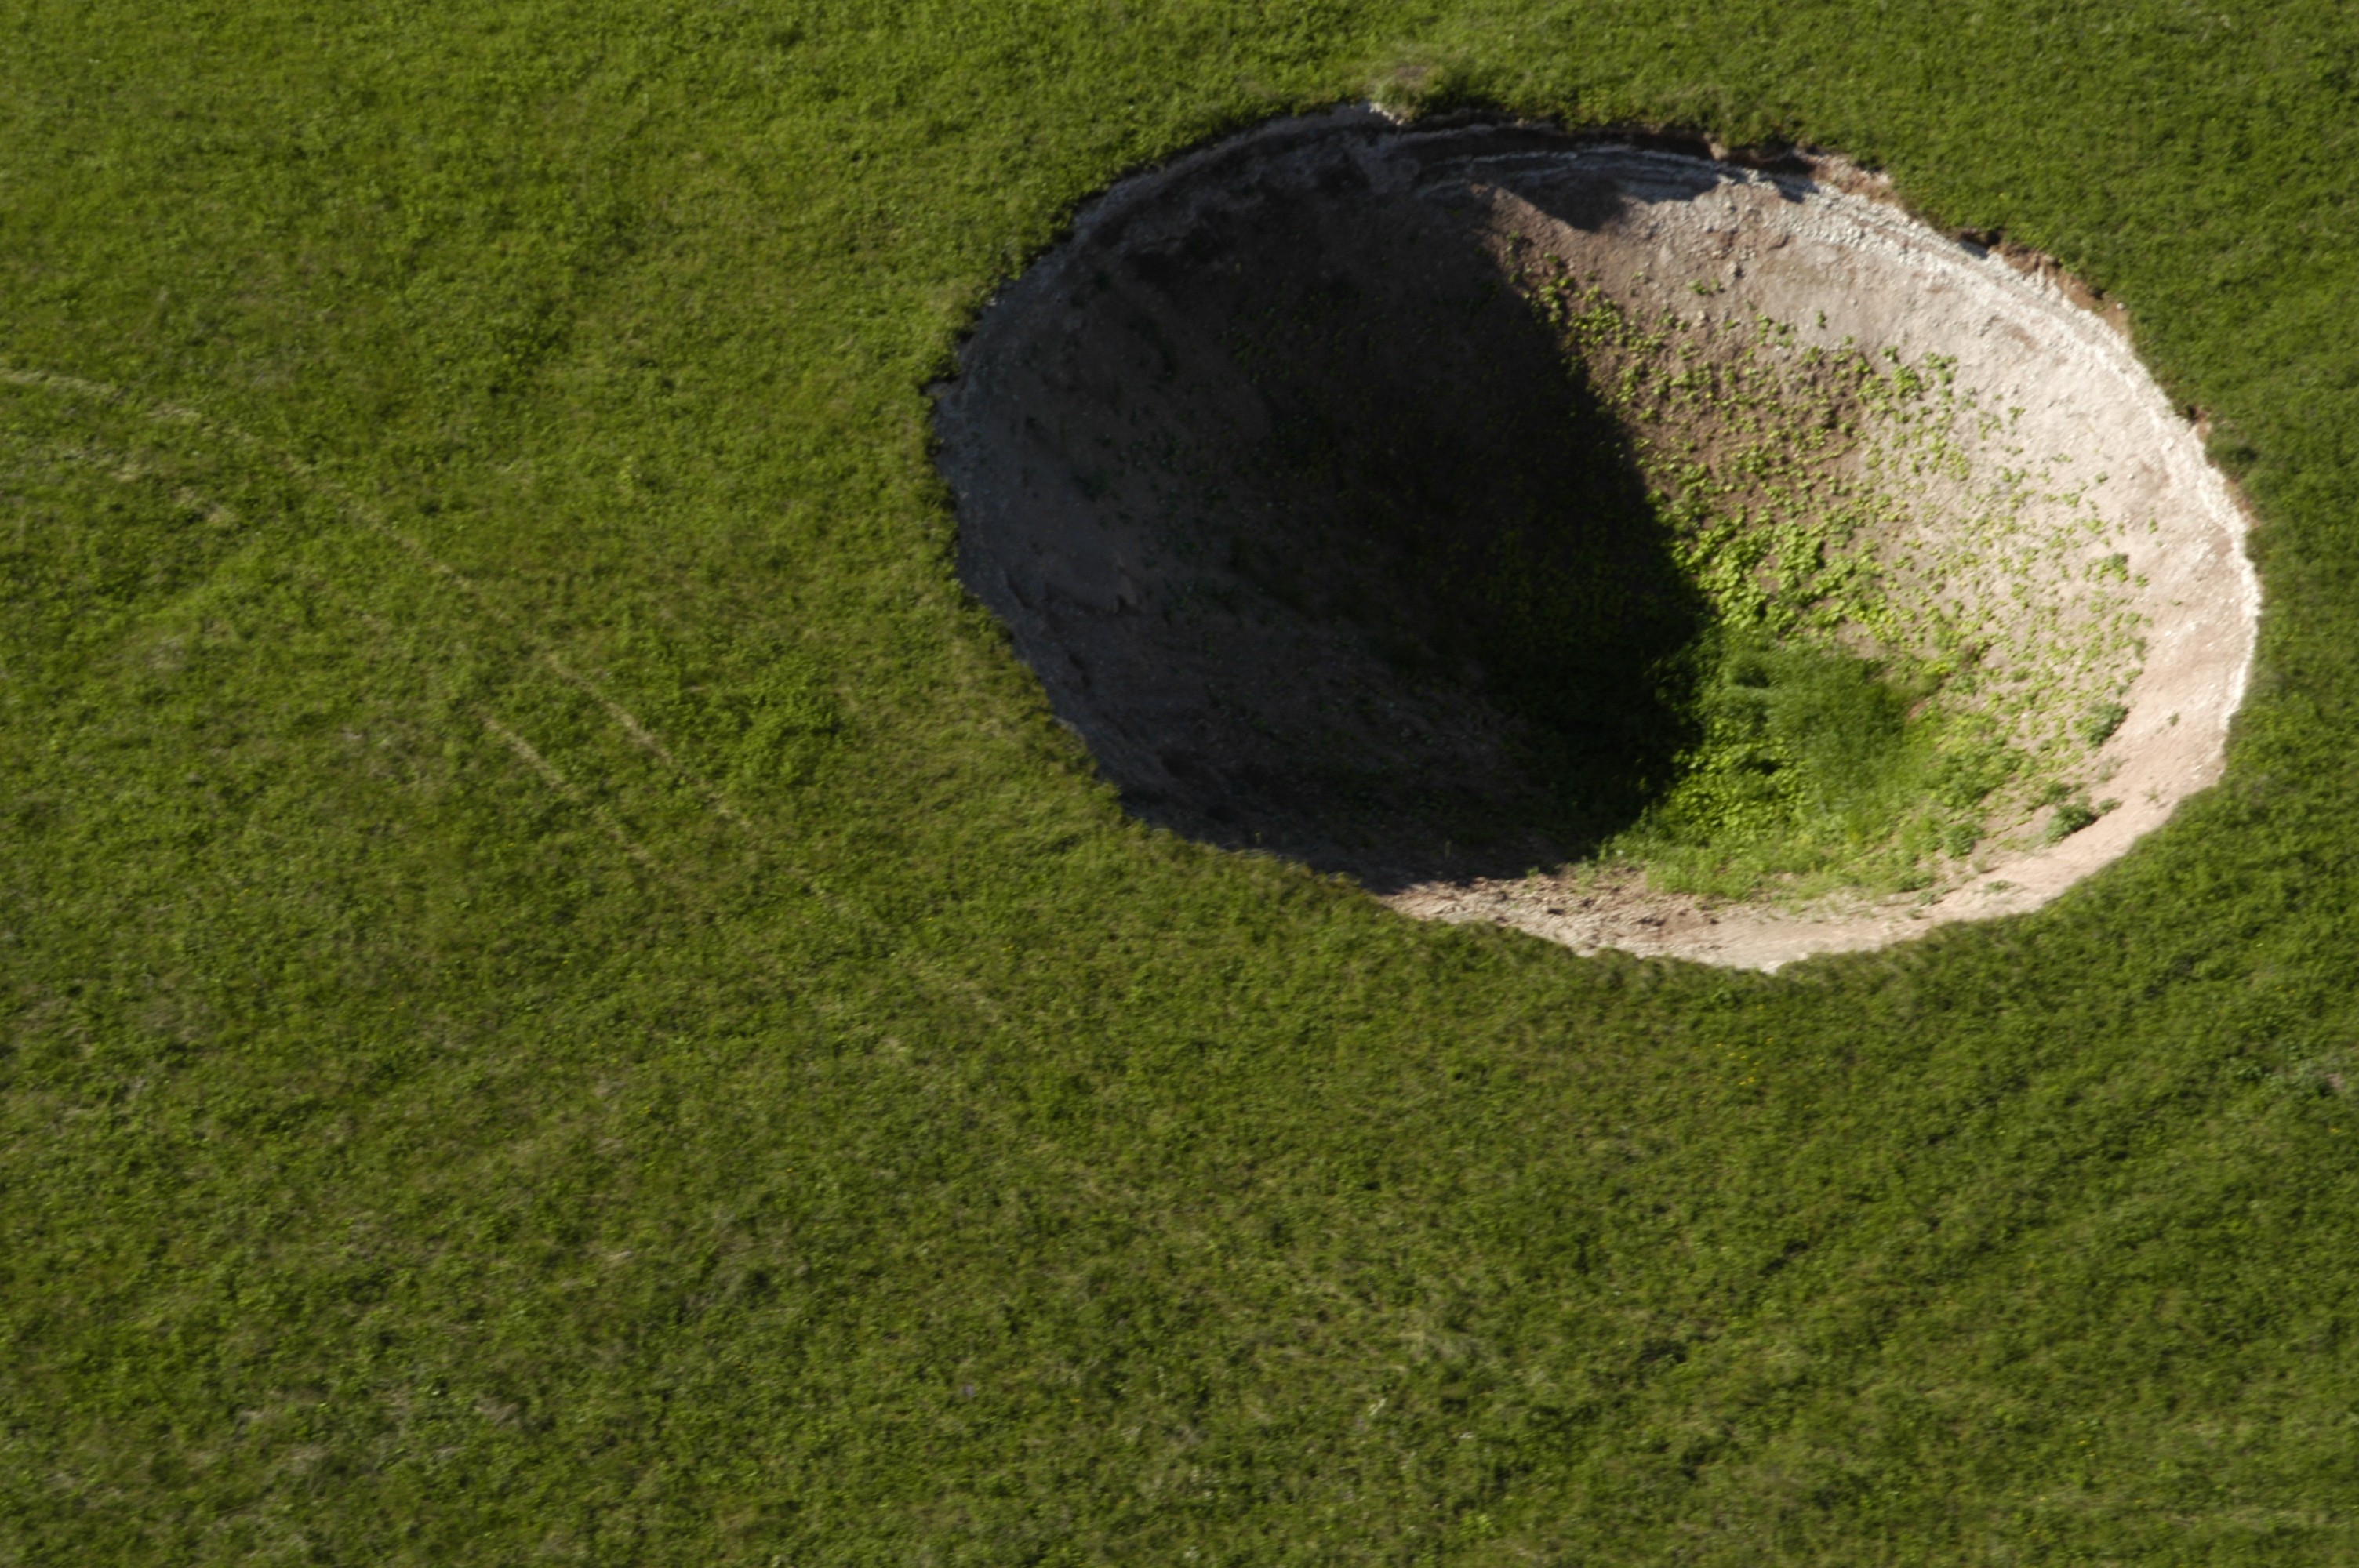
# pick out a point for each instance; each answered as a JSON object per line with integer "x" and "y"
{"x": 1212, "y": 456}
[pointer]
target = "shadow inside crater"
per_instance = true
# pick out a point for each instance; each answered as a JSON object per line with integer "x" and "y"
{"x": 1312, "y": 531}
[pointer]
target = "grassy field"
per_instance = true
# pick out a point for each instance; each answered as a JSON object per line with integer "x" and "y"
{"x": 566, "y": 999}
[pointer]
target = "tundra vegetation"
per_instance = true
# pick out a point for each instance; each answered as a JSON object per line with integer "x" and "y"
{"x": 566, "y": 998}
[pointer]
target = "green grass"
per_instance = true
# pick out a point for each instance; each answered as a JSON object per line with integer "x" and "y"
{"x": 1808, "y": 776}
{"x": 567, "y": 999}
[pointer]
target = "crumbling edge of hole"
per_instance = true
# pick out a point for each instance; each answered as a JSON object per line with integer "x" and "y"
{"x": 1831, "y": 171}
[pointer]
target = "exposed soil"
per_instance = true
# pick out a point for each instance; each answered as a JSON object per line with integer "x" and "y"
{"x": 1277, "y": 478}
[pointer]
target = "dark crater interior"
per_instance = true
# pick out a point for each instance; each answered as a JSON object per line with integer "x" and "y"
{"x": 1306, "y": 522}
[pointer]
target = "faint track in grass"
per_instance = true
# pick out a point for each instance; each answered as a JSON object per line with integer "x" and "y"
{"x": 563, "y": 787}
{"x": 359, "y": 511}
{"x": 632, "y": 727}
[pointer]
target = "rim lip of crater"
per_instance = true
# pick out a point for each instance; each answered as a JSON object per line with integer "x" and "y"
{"x": 2080, "y": 324}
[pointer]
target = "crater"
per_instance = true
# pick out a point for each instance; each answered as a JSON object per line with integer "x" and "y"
{"x": 1646, "y": 550}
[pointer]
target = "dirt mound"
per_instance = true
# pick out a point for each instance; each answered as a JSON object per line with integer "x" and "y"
{"x": 1642, "y": 550}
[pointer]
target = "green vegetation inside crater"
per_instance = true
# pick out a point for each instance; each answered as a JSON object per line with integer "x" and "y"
{"x": 1810, "y": 776}
{"x": 1845, "y": 729}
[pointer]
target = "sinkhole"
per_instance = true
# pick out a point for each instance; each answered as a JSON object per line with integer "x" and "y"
{"x": 1645, "y": 548}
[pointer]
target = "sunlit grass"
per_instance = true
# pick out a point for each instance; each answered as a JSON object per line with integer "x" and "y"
{"x": 567, "y": 999}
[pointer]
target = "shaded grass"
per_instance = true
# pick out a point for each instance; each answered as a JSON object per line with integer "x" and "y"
{"x": 398, "y": 1169}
